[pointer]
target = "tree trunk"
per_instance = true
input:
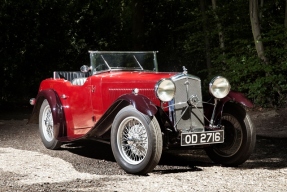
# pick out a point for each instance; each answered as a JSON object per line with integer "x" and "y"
{"x": 138, "y": 20}
{"x": 261, "y": 8}
{"x": 254, "y": 18}
{"x": 285, "y": 22}
{"x": 220, "y": 33}
{"x": 206, "y": 38}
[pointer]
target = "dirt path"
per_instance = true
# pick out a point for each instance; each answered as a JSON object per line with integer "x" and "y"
{"x": 25, "y": 165}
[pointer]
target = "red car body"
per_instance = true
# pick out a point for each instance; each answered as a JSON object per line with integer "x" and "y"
{"x": 142, "y": 112}
{"x": 84, "y": 105}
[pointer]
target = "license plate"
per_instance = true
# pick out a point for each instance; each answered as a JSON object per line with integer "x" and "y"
{"x": 200, "y": 138}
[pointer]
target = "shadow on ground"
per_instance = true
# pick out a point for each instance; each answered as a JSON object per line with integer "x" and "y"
{"x": 90, "y": 149}
{"x": 269, "y": 153}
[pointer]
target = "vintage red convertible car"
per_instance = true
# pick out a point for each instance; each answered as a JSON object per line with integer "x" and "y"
{"x": 121, "y": 99}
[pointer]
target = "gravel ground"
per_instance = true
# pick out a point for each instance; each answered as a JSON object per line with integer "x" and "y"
{"x": 26, "y": 165}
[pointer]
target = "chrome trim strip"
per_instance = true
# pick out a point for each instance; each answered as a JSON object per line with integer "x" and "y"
{"x": 123, "y": 51}
{"x": 55, "y": 75}
{"x": 183, "y": 76}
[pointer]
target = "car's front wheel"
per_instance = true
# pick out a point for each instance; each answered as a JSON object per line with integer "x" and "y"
{"x": 239, "y": 138}
{"x": 46, "y": 127}
{"x": 136, "y": 141}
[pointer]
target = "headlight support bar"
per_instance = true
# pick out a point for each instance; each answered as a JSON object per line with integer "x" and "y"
{"x": 211, "y": 124}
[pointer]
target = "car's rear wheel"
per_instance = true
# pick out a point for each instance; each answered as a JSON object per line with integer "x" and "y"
{"x": 46, "y": 127}
{"x": 136, "y": 141}
{"x": 239, "y": 139}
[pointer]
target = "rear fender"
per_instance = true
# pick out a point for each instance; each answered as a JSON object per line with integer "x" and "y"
{"x": 140, "y": 102}
{"x": 56, "y": 108}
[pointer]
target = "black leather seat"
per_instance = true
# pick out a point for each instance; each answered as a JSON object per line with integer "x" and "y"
{"x": 69, "y": 75}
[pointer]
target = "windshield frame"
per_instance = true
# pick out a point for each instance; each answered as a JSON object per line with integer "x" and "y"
{"x": 102, "y": 61}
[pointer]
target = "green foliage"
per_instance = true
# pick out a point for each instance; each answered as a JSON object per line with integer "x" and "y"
{"x": 39, "y": 37}
{"x": 265, "y": 84}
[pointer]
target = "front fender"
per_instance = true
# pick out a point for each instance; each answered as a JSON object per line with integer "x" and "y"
{"x": 233, "y": 96}
{"x": 56, "y": 109}
{"x": 140, "y": 102}
{"x": 237, "y": 97}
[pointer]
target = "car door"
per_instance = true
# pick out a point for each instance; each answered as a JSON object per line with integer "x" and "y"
{"x": 80, "y": 108}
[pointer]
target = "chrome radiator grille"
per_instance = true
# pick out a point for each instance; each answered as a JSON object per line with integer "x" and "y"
{"x": 188, "y": 118}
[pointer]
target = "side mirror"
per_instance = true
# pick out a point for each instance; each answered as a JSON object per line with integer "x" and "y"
{"x": 84, "y": 68}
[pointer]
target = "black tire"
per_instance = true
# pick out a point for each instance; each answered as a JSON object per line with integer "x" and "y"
{"x": 136, "y": 141}
{"x": 239, "y": 138}
{"x": 46, "y": 127}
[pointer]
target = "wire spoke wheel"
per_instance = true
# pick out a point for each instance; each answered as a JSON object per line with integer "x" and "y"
{"x": 136, "y": 141}
{"x": 47, "y": 123}
{"x": 132, "y": 140}
{"x": 233, "y": 137}
{"x": 239, "y": 138}
{"x": 46, "y": 127}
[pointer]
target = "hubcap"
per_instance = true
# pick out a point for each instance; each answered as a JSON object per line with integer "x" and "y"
{"x": 47, "y": 124}
{"x": 132, "y": 140}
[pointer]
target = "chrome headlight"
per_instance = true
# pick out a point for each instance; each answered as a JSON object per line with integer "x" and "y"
{"x": 219, "y": 87}
{"x": 165, "y": 90}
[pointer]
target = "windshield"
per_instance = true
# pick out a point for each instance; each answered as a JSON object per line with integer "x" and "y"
{"x": 111, "y": 60}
